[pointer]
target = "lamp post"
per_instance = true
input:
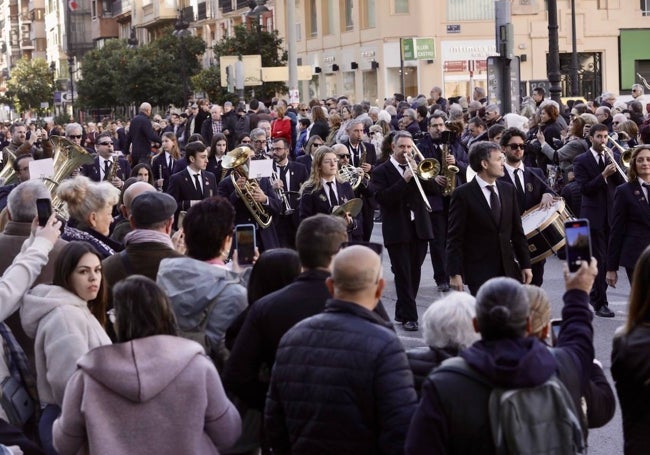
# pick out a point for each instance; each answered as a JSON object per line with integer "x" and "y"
{"x": 258, "y": 8}
{"x": 181, "y": 31}
{"x": 72, "y": 71}
{"x": 53, "y": 74}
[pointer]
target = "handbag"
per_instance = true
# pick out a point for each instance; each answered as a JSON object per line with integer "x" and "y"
{"x": 15, "y": 401}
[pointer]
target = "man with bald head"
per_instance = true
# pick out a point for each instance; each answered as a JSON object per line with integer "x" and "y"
{"x": 141, "y": 136}
{"x": 340, "y": 382}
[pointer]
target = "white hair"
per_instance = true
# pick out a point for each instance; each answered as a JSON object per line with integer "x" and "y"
{"x": 448, "y": 322}
{"x": 384, "y": 115}
{"x": 516, "y": 121}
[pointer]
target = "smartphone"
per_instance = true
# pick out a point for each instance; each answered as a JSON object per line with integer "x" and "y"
{"x": 245, "y": 243}
{"x": 555, "y": 330}
{"x": 44, "y": 210}
{"x": 376, "y": 247}
{"x": 578, "y": 242}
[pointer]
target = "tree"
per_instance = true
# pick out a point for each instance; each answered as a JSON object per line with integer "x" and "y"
{"x": 268, "y": 45}
{"x": 105, "y": 76}
{"x": 30, "y": 85}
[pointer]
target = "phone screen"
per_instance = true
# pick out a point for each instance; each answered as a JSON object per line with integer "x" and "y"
{"x": 44, "y": 210}
{"x": 578, "y": 243}
{"x": 245, "y": 240}
{"x": 555, "y": 330}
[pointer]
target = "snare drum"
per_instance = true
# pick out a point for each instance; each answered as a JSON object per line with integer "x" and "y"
{"x": 544, "y": 229}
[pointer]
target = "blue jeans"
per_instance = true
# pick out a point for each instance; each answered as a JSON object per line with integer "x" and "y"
{"x": 48, "y": 416}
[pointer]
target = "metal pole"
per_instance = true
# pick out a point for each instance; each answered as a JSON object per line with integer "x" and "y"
{"x": 71, "y": 69}
{"x": 401, "y": 67}
{"x": 553, "y": 52}
{"x": 575, "y": 88}
{"x": 291, "y": 45}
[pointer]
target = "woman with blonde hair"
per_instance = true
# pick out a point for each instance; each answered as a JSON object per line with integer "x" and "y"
{"x": 281, "y": 126}
{"x": 90, "y": 205}
{"x": 597, "y": 395}
{"x": 163, "y": 163}
{"x": 334, "y": 123}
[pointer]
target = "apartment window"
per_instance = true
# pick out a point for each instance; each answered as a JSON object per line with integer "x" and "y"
{"x": 470, "y": 10}
{"x": 312, "y": 20}
{"x": 401, "y": 6}
{"x": 368, "y": 13}
{"x": 328, "y": 16}
{"x": 93, "y": 9}
{"x": 346, "y": 9}
{"x": 645, "y": 7}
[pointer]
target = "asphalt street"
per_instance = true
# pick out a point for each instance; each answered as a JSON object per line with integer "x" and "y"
{"x": 607, "y": 440}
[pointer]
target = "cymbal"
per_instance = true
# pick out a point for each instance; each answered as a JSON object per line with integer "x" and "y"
{"x": 353, "y": 207}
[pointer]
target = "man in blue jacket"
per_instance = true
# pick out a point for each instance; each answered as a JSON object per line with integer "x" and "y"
{"x": 341, "y": 381}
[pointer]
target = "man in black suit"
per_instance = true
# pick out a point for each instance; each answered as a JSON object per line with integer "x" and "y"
{"x": 194, "y": 183}
{"x": 485, "y": 237}
{"x": 529, "y": 182}
{"x": 406, "y": 226}
{"x": 598, "y": 181}
{"x": 364, "y": 156}
{"x": 263, "y": 194}
{"x": 141, "y": 136}
{"x": 289, "y": 178}
{"x": 102, "y": 166}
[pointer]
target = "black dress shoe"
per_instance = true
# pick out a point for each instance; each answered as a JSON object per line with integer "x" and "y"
{"x": 410, "y": 326}
{"x": 605, "y": 312}
{"x": 444, "y": 287}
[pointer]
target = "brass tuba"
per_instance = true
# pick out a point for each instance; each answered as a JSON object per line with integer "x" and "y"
{"x": 237, "y": 160}
{"x": 8, "y": 174}
{"x": 68, "y": 157}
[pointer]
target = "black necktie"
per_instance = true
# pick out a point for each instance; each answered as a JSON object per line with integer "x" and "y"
{"x": 283, "y": 174}
{"x": 333, "y": 200}
{"x": 495, "y": 204}
{"x": 403, "y": 167}
{"x": 197, "y": 182}
{"x": 107, "y": 169}
{"x": 601, "y": 162}
{"x": 647, "y": 190}
{"x": 171, "y": 164}
{"x": 521, "y": 196}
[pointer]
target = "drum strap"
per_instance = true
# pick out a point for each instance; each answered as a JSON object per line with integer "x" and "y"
{"x": 521, "y": 196}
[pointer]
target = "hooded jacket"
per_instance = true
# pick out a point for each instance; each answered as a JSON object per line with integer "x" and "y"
{"x": 191, "y": 285}
{"x": 154, "y": 395}
{"x": 63, "y": 329}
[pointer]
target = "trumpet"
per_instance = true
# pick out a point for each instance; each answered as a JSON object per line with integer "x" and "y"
{"x": 610, "y": 156}
{"x": 426, "y": 169}
{"x": 282, "y": 195}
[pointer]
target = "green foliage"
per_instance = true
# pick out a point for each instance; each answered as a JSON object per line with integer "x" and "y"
{"x": 248, "y": 42}
{"x": 30, "y": 85}
{"x": 156, "y": 72}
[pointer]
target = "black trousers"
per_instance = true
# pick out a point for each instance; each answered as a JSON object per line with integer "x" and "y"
{"x": 406, "y": 262}
{"x": 538, "y": 273}
{"x": 437, "y": 247}
{"x": 367, "y": 218}
{"x": 286, "y": 228}
{"x": 598, "y": 294}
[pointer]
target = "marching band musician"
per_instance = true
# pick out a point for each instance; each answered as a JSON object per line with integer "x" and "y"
{"x": 364, "y": 156}
{"x": 406, "y": 225}
{"x": 631, "y": 218}
{"x": 485, "y": 237}
{"x": 266, "y": 237}
{"x": 163, "y": 163}
{"x": 598, "y": 179}
{"x": 259, "y": 142}
{"x": 431, "y": 147}
{"x": 194, "y": 183}
{"x": 324, "y": 191}
{"x": 289, "y": 177}
{"x": 529, "y": 182}
{"x": 102, "y": 165}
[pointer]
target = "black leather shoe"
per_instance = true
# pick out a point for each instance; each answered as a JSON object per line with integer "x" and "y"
{"x": 605, "y": 312}
{"x": 444, "y": 287}
{"x": 411, "y": 326}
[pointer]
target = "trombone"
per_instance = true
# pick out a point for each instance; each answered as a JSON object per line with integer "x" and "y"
{"x": 426, "y": 169}
{"x": 610, "y": 156}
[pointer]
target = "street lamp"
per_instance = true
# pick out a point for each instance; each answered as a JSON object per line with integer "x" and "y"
{"x": 72, "y": 71}
{"x": 53, "y": 74}
{"x": 181, "y": 31}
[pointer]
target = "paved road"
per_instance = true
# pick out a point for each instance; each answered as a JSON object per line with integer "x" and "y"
{"x": 604, "y": 441}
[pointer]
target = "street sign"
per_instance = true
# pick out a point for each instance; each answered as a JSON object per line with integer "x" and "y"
{"x": 418, "y": 49}
{"x": 67, "y": 97}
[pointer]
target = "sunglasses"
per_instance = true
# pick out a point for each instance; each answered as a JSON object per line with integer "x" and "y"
{"x": 345, "y": 155}
{"x": 75, "y": 136}
{"x": 105, "y": 143}
{"x": 517, "y": 146}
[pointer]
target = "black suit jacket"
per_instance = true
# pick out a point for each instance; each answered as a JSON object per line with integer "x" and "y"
{"x": 181, "y": 187}
{"x": 398, "y": 199}
{"x": 534, "y": 187}
{"x": 269, "y": 235}
{"x": 630, "y": 226}
{"x": 160, "y": 168}
{"x": 140, "y": 137}
{"x": 298, "y": 174}
{"x": 477, "y": 248}
{"x": 597, "y": 194}
{"x": 306, "y": 161}
{"x": 93, "y": 172}
{"x": 313, "y": 202}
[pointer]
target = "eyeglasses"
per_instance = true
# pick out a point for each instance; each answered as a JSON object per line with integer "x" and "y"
{"x": 75, "y": 136}
{"x": 105, "y": 143}
{"x": 344, "y": 155}
{"x": 246, "y": 142}
{"x": 517, "y": 146}
{"x": 258, "y": 141}
{"x": 111, "y": 315}
{"x": 316, "y": 145}
{"x": 304, "y": 110}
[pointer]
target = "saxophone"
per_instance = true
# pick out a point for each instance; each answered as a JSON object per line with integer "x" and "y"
{"x": 115, "y": 168}
{"x": 448, "y": 171}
